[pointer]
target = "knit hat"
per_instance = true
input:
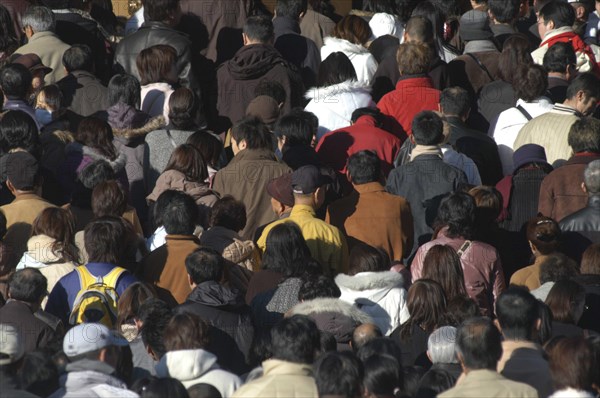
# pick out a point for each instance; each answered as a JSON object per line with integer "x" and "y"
{"x": 280, "y": 189}
{"x": 383, "y": 24}
{"x": 11, "y": 344}
{"x": 529, "y": 153}
{"x": 88, "y": 337}
{"x": 33, "y": 63}
{"x": 307, "y": 179}
{"x": 22, "y": 170}
{"x": 475, "y": 25}
{"x": 265, "y": 108}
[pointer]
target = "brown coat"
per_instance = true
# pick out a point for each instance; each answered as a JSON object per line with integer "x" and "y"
{"x": 465, "y": 72}
{"x": 316, "y": 26}
{"x": 373, "y": 216}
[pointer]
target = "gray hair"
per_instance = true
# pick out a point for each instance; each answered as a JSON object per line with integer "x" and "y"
{"x": 40, "y": 19}
{"x": 591, "y": 177}
{"x": 441, "y": 345}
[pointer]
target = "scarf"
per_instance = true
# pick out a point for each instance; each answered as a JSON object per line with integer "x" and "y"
{"x": 419, "y": 150}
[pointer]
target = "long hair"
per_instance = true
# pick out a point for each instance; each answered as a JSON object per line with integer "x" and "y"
{"x": 59, "y": 225}
{"x": 187, "y": 160}
{"x": 286, "y": 250}
{"x": 426, "y": 304}
{"x": 442, "y": 264}
{"x": 97, "y": 134}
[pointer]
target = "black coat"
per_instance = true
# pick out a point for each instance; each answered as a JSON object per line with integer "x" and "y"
{"x": 582, "y": 228}
{"x": 590, "y": 318}
{"x": 35, "y": 332}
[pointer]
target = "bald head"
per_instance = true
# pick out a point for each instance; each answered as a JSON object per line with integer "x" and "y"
{"x": 363, "y": 334}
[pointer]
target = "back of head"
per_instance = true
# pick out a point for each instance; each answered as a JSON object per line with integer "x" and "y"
{"x": 203, "y": 390}
{"x": 105, "y": 240}
{"x": 109, "y": 199}
{"x": 574, "y": 364}
{"x": 125, "y": 89}
{"x": 15, "y": 81}
{"x": 27, "y": 285}
{"x": 285, "y": 247}
{"x": 39, "y": 19}
{"x": 556, "y": 266}
{"x": 291, "y": 8}
{"x": 428, "y": 128}
{"x": 339, "y": 374}
{"x": 544, "y": 233}
{"x": 204, "y": 264}
{"x": 457, "y": 212}
{"x": 271, "y": 89}
{"x": 426, "y": 305}
{"x": 591, "y": 177}
{"x": 335, "y": 69}
{"x": 179, "y": 212}
{"x": 530, "y": 82}
{"x": 441, "y": 345}
{"x": 419, "y": 29}
{"x": 187, "y": 160}
{"x": 96, "y": 134}
{"x": 42, "y": 377}
{"x": 209, "y": 146}
{"x": 478, "y": 344}
{"x": 18, "y": 131}
{"x": 566, "y": 300}
{"x": 584, "y": 135}
{"x": 318, "y": 286}
{"x": 366, "y": 258}
{"x": 372, "y": 112}
{"x": 559, "y": 57}
{"x": 504, "y": 11}
{"x": 78, "y": 57}
{"x": 413, "y": 58}
{"x": 259, "y": 29}
{"x": 515, "y": 52}
{"x": 353, "y": 29}
{"x": 455, "y": 101}
{"x": 131, "y": 300}
{"x": 296, "y": 129}
{"x": 364, "y": 167}
{"x": 461, "y": 308}
{"x": 517, "y": 313}
{"x": 383, "y": 375}
{"x": 155, "y": 315}
{"x": 295, "y": 339}
{"x": 253, "y": 132}
{"x": 442, "y": 264}
{"x": 488, "y": 201}
{"x": 186, "y": 331}
{"x": 155, "y": 64}
{"x": 228, "y": 213}
{"x": 590, "y": 261}
{"x": 160, "y": 10}
{"x": 363, "y": 334}
{"x": 559, "y": 12}
{"x": 588, "y": 83}
{"x": 154, "y": 387}
{"x": 58, "y": 224}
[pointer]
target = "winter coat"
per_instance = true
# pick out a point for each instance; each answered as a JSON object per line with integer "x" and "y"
{"x": 50, "y": 49}
{"x": 379, "y": 294}
{"x": 363, "y": 61}
{"x": 334, "y": 316}
{"x": 36, "y": 333}
{"x": 83, "y": 93}
{"x": 159, "y": 145}
{"x": 333, "y": 105}
{"x": 269, "y": 307}
{"x": 231, "y": 246}
{"x": 495, "y": 98}
{"x": 466, "y": 72}
{"x": 582, "y": 228}
{"x": 316, "y": 26}
{"x": 155, "y": 99}
{"x": 586, "y": 60}
{"x": 193, "y": 367}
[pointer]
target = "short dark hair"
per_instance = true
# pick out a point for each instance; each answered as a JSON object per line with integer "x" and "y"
{"x": 504, "y": 11}
{"x": 559, "y": 56}
{"x": 479, "y": 343}
{"x": 259, "y": 28}
{"x": 295, "y": 339}
{"x": 366, "y": 258}
{"x": 78, "y": 57}
{"x": 517, "y": 313}
{"x": 383, "y": 374}
{"x": 335, "y": 69}
{"x": 203, "y": 390}
{"x": 339, "y": 374}
{"x": 154, "y": 63}
{"x": 204, "y": 264}
{"x": 209, "y": 145}
{"x": 455, "y": 101}
{"x": 296, "y": 129}
{"x": 18, "y": 130}
{"x": 160, "y": 10}
{"x": 364, "y": 167}
{"x": 318, "y": 286}
{"x": 28, "y": 285}
{"x": 228, "y": 213}
{"x": 155, "y": 315}
{"x": 559, "y": 12}
{"x": 291, "y": 8}
{"x": 586, "y": 82}
{"x": 457, "y": 212}
{"x": 15, "y": 80}
{"x": 530, "y": 82}
{"x": 373, "y": 112}
{"x": 109, "y": 199}
{"x": 105, "y": 240}
{"x": 271, "y": 88}
{"x": 584, "y": 135}
{"x": 180, "y": 213}
{"x": 124, "y": 88}
{"x": 254, "y": 132}
{"x": 428, "y": 128}
{"x": 420, "y": 29}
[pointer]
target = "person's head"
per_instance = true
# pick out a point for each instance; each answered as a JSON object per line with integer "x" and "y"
{"x": 203, "y": 390}
{"x": 186, "y": 331}
{"x": 518, "y": 315}
{"x": 530, "y": 82}
{"x": 38, "y": 19}
{"x": 93, "y": 341}
{"x": 131, "y": 301}
{"x": 590, "y": 261}
{"x": 250, "y": 133}
{"x": 271, "y": 88}
{"x": 228, "y": 213}
{"x": 543, "y": 234}
{"x": 182, "y": 108}
{"x": 591, "y": 177}
{"x": 366, "y": 258}
{"x": 442, "y": 265}
{"x": 42, "y": 377}
{"x": 281, "y": 193}
{"x": 22, "y": 173}
{"x": 18, "y": 131}
{"x": 187, "y": 160}
{"x": 209, "y": 146}
{"x": 584, "y": 135}
{"x": 264, "y": 108}
{"x": 583, "y": 93}
{"x": 556, "y": 14}
{"x": 419, "y": 29}
{"x": 363, "y": 334}
{"x": 339, "y": 374}
{"x": 455, "y": 101}
{"x": 560, "y": 58}
{"x": 293, "y": 130}
{"x": 37, "y": 68}
{"x": 28, "y": 285}
{"x": 413, "y": 58}
{"x": 49, "y": 98}
{"x": 179, "y": 212}
{"x": 457, "y": 212}
{"x": 285, "y": 249}
{"x": 380, "y": 346}
{"x": 156, "y": 64}
{"x": 308, "y": 185}
{"x": 8, "y": 36}
{"x": 461, "y": 308}
{"x": 96, "y": 134}
{"x": 503, "y": 11}
{"x": 91, "y": 175}
{"x": 475, "y": 25}
{"x": 478, "y": 344}
{"x": 105, "y": 239}
{"x": 318, "y": 286}
{"x": 154, "y": 387}
{"x": 566, "y": 300}
{"x": 364, "y": 167}
{"x": 573, "y": 364}
{"x": 441, "y": 345}
{"x": 58, "y": 224}
{"x": 258, "y": 30}
{"x": 295, "y": 339}
{"x": 293, "y": 9}
{"x": 488, "y": 202}
{"x": 427, "y": 128}
{"x": 335, "y": 69}
{"x": 124, "y": 89}
{"x": 555, "y": 267}
{"x": 154, "y": 315}
{"x": 353, "y": 29}
{"x": 15, "y": 81}
{"x": 204, "y": 265}
{"x": 515, "y": 53}
{"x": 429, "y": 10}
{"x": 383, "y": 375}
{"x": 78, "y": 57}
{"x": 167, "y": 11}
{"x": 426, "y": 304}
{"x": 109, "y": 199}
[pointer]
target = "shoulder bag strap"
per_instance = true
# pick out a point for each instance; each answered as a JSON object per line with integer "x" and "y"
{"x": 171, "y": 138}
{"x": 482, "y": 66}
{"x": 465, "y": 246}
{"x": 524, "y": 112}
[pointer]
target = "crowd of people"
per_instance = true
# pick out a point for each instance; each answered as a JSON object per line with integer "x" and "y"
{"x": 210, "y": 200}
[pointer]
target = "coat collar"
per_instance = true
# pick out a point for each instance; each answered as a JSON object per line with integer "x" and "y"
{"x": 284, "y": 26}
{"x": 253, "y": 154}
{"x": 303, "y": 210}
{"x": 370, "y": 280}
{"x": 582, "y": 158}
{"x": 369, "y": 187}
{"x": 280, "y": 367}
{"x": 349, "y": 86}
{"x": 414, "y": 81}
{"x": 322, "y": 305}
{"x": 594, "y": 201}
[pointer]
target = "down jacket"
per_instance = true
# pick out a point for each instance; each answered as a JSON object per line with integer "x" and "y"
{"x": 363, "y": 61}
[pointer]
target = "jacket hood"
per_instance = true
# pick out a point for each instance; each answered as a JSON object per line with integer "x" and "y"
{"x": 39, "y": 249}
{"x": 369, "y": 286}
{"x": 253, "y": 61}
{"x": 117, "y": 165}
{"x": 185, "y": 365}
{"x": 334, "y": 305}
{"x": 349, "y": 86}
{"x": 214, "y": 294}
{"x": 86, "y": 373}
{"x": 344, "y": 46}
{"x": 128, "y": 135}
{"x": 122, "y": 116}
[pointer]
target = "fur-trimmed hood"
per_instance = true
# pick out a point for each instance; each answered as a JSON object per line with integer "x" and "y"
{"x": 334, "y": 305}
{"x": 344, "y": 45}
{"x": 117, "y": 165}
{"x": 349, "y": 87}
{"x": 370, "y": 281}
{"x": 129, "y": 134}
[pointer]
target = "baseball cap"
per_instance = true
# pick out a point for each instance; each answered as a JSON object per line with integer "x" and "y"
{"x": 280, "y": 189}
{"x": 32, "y": 62}
{"x": 22, "y": 170}
{"x": 265, "y": 108}
{"x": 11, "y": 344}
{"x": 307, "y": 179}
{"x": 88, "y": 337}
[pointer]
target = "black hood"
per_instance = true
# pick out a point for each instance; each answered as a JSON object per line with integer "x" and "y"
{"x": 253, "y": 61}
{"x": 212, "y": 294}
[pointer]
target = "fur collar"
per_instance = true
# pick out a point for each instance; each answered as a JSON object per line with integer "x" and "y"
{"x": 344, "y": 46}
{"x": 349, "y": 86}
{"x": 156, "y": 123}
{"x": 321, "y": 305}
{"x": 117, "y": 165}
{"x": 370, "y": 280}
{"x": 64, "y": 136}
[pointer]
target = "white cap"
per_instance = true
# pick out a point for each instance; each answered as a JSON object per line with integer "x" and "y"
{"x": 383, "y": 24}
{"x": 11, "y": 344}
{"x": 88, "y": 337}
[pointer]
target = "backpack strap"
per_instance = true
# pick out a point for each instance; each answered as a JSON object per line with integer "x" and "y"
{"x": 113, "y": 276}
{"x": 524, "y": 112}
{"x": 85, "y": 277}
{"x": 482, "y": 66}
{"x": 173, "y": 143}
{"x": 465, "y": 246}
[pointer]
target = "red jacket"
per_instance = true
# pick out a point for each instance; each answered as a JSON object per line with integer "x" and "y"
{"x": 337, "y": 146}
{"x": 413, "y": 94}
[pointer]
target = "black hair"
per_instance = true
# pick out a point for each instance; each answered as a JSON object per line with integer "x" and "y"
{"x": 124, "y": 88}
{"x": 380, "y": 346}
{"x": 78, "y": 57}
{"x": 461, "y": 308}
{"x": 364, "y": 167}
{"x": 259, "y": 28}
{"x": 160, "y": 10}
{"x": 254, "y": 132}
{"x": 228, "y": 213}
{"x": 272, "y": 89}
{"x": 203, "y": 390}
{"x": 318, "y": 286}
{"x": 455, "y": 101}
{"x": 504, "y": 11}
{"x": 8, "y": 37}
{"x": 295, "y": 339}
{"x": 373, "y": 112}
{"x": 154, "y": 387}
{"x": 285, "y": 249}
{"x": 204, "y": 264}
{"x": 544, "y": 333}
{"x": 179, "y": 214}
{"x": 87, "y": 179}
{"x": 457, "y": 212}
{"x": 517, "y": 313}
{"x": 586, "y": 82}
{"x": 105, "y": 239}
{"x": 584, "y": 135}
{"x": 41, "y": 377}
{"x": 18, "y": 130}
{"x": 260, "y": 349}
{"x": 479, "y": 343}
{"x": 383, "y": 375}
{"x": 530, "y": 82}
{"x": 335, "y": 69}
{"x": 15, "y": 80}
{"x": 296, "y": 129}
{"x": 435, "y": 382}
{"x": 427, "y": 128}
{"x": 291, "y": 8}
{"x": 559, "y": 56}
{"x": 376, "y": 6}
{"x": 155, "y": 315}
{"x": 559, "y": 12}
{"x": 28, "y": 285}
{"x": 339, "y": 374}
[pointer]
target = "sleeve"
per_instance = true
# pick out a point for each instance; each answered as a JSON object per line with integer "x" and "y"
{"x": 124, "y": 281}
{"x": 58, "y": 302}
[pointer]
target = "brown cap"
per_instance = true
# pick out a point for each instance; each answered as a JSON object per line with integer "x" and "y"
{"x": 32, "y": 62}
{"x": 265, "y": 108}
{"x": 280, "y": 189}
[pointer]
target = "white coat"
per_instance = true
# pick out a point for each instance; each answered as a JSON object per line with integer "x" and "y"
{"x": 363, "y": 61}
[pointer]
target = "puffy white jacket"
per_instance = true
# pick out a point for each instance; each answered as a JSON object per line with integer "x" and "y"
{"x": 333, "y": 105}
{"x": 155, "y": 99}
{"x": 379, "y": 294}
{"x": 363, "y": 61}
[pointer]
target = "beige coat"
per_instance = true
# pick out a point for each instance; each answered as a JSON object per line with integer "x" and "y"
{"x": 487, "y": 383}
{"x": 50, "y": 49}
